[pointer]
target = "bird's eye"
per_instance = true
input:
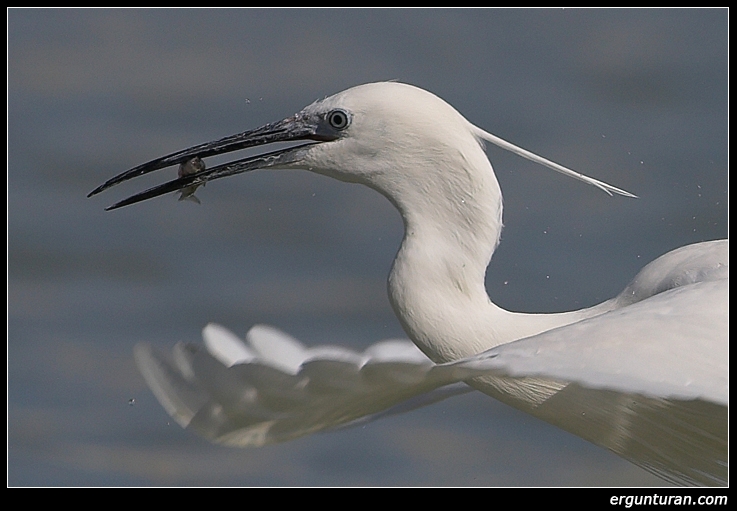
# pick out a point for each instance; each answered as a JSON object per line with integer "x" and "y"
{"x": 338, "y": 119}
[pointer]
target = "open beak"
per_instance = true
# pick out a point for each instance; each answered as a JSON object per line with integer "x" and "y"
{"x": 297, "y": 127}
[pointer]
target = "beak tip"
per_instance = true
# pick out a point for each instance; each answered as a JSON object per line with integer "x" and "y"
{"x": 193, "y": 171}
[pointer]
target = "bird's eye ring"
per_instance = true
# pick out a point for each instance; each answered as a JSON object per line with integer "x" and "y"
{"x": 339, "y": 119}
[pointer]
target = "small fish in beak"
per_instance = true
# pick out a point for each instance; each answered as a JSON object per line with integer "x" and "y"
{"x": 189, "y": 167}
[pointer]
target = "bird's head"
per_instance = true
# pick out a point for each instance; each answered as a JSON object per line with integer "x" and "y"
{"x": 385, "y": 135}
{"x": 398, "y": 139}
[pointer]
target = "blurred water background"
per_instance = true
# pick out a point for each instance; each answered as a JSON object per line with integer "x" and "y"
{"x": 637, "y": 98}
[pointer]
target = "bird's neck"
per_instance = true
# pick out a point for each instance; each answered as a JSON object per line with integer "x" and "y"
{"x": 436, "y": 285}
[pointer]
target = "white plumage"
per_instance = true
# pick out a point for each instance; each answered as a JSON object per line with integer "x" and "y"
{"x": 644, "y": 374}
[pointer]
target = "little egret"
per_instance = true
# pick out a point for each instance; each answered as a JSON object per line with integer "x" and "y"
{"x": 644, "y": 374}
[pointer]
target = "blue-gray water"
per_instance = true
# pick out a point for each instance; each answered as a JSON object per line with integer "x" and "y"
{"x": 637, "y": 98}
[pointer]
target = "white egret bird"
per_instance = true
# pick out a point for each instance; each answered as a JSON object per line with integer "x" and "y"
{"x": 644, "y": 374}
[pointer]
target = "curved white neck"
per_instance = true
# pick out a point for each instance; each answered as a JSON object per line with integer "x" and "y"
{"x": 436, "y": 285}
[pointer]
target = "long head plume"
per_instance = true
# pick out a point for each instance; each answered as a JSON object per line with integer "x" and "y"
{"x": 550, "y": 164}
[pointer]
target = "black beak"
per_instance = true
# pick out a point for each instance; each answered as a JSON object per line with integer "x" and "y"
{"x": 297, "y": 127}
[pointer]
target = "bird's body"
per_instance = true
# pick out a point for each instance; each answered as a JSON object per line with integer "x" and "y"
{"x": 602, "y": 373}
